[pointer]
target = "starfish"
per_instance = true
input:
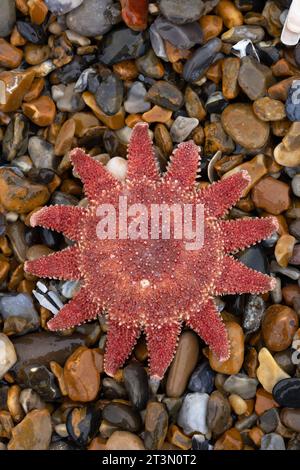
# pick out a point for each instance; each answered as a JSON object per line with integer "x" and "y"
{"x": 152, "y": 285}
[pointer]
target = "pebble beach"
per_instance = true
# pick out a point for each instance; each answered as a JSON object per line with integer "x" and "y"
{"x": 82, "y": 73}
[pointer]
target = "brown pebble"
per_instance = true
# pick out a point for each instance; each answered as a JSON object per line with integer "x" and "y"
{"x": 289, "y": 293}
{"x": 18, "y": 194}
{"x": 271, "y": 195}
{"x": 33, "y": 432}
{"x": 37, "y": 11}
{"x": 269, "y": 110}
{"x": 36, "y": 251}
{"x": 234, "y": 363}
{"x": 264, "y": 401}
{"x": 41, "y": 111}
{"x": 256, "y": 169}
{"x": 193, "y": 104}
{"x": 284, "y": 249}
{"x": 13, "y": 403}
{"x": 176, "y": 437}
{"x": 244, "y": 127}
{"x": 35, "y": 54}
{"x": 10, "y": 56}
{"x": 83, "y": 121}
{"x": 35, "y": 90}
{"x": 216, "y": 139}
{"x": 126, "y": 70}
{"x": 279, "y": 325}
{"x": 230, "y": 440}
{"x": 157, "y": 114}
{"x": 229, "y": 14}
{"x": 13, "y": 87}
{"x": 230, "y": 69}
{"x": 211, "y": 26}
{"x": 183, "y": 364}
{"x": 65, "y": 137}
{"x": 82, "y": 375}
{"x": 124, "y": 440}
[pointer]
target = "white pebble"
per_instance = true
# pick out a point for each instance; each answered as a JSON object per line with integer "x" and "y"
{"x": 8, "y": 355}
{"x": 117, "y": 166}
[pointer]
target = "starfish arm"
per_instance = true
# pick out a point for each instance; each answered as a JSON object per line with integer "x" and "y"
{"x": 120, "y": 342}
{"x": 79, "y": 310}
{"x": 184, "y": 165}
{"x": 61, "y": 265}
{"x": 208, "y": 324}
{"x": 161, "y": 342}
{"x": 141, "y": 158}
{"x": 221, "y": 196}
{"x": 236, "y": 278}
{"x": 92, "y": 173}
{"x": 65, "y": 219}
{"x": 239, "y": 234}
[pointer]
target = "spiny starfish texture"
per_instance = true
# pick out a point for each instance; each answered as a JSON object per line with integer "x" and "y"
{"x": 152, "y": 285}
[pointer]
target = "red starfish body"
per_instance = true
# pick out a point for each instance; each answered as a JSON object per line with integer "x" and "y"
{"x": 152, "y": 285}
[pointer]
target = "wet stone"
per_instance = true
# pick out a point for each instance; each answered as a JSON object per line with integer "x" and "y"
{"x": 202, "y": 379}
{"x": 41, "y": 348}
{"x": 286, "y": 392}
{"x": 156, "y": 425}
{"x": 253, "y": 313}
{"x": 109, "y": 95}
{"x": 182, "y": 128}
{"x": 112, "y": 389}
{"x": 83, "y": 423}
{"x": 241, "y": 385}
{"x": 90, "y": 18}
{"x": 179, "y": 13}
{"x": 41, "y": 380}
{"x": 279, "y": 325}
{"x": 182, "y": 36}
{"x": 166, "y": 95}
{"x": 82, "y": 374}
{"x": 15, "y": 139}
{"x": 19, "y": 194}
{"x": 136, "y": 384}
{"x": 18, "y": 310}
{"x": 122, "y": 416}
{"x": 7, "y": 17}
{"x": 14, "y": 86}
{"x": 272, "y": 441}
{"x": 122, "y": 44}
{"x": 8, "y": 355}
{"x": 192, "y": 415}
{"x": 197, "y": 65}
